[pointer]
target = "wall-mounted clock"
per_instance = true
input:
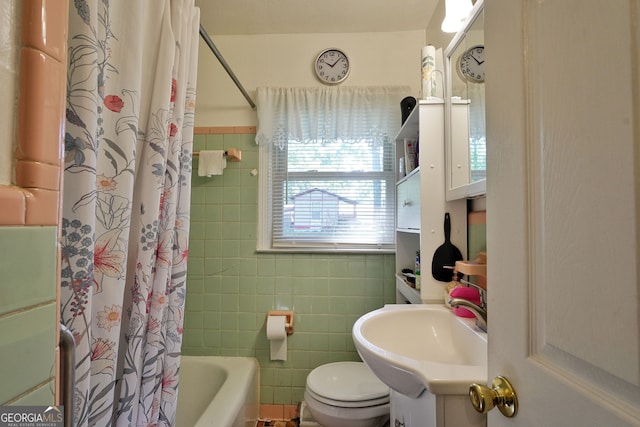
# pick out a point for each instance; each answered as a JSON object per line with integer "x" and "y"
{"x": 471, "y": 64}
{"x": 332, "y": 66}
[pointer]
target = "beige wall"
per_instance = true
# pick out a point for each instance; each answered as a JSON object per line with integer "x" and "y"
{"x": 286, "y": 60}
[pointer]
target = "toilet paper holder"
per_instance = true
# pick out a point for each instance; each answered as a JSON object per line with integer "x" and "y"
{"x": 288, "y": 321}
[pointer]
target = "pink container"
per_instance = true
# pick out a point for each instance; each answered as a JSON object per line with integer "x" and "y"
{"x": 470, "y": 294}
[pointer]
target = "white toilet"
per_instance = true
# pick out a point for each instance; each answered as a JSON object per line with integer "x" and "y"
{"x": 347, "y": 394}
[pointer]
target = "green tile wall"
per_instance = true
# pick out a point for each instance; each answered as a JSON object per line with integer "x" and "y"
{"x": 27, "y": 314}
{"x": 27, "y": 350}
{"x": 230, "y": 287}
{"x": 28, "y": 266}
{"x": 477, "y": 237}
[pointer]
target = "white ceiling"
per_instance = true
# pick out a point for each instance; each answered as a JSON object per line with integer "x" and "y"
{"x": 220, "y": 17}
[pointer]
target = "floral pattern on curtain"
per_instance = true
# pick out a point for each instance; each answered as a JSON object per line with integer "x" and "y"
{"x": 128, "y": 144}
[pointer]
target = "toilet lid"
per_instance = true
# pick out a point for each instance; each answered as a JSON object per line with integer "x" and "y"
{"x": 347, "y": 382}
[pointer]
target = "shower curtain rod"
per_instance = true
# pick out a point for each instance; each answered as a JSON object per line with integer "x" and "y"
{"x": 216, "y": 52}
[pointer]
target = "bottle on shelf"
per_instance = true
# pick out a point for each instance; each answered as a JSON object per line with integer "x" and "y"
{"x": 417, "y": 270}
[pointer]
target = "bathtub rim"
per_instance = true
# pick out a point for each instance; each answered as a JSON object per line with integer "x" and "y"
{"x": 231, "y": 400}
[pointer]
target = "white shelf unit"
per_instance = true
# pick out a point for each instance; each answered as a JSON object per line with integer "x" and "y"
{"x": 423, "y": 192}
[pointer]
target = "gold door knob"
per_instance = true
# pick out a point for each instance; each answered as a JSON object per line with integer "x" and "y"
{"x": 501, "y": 395}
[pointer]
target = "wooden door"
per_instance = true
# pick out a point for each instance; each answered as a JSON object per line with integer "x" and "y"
{"x": 563, "y": 209}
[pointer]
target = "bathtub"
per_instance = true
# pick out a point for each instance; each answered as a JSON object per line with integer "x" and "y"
{"x": 217, "y": 391}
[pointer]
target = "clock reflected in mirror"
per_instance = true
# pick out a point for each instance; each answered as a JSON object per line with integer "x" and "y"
{"x": 471, "y": 64}
{"x": 332, "y": 66}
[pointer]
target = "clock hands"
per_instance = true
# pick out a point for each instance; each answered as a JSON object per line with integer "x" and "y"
{"x": 334, "y": 64}
{"x": 476, "y": 59}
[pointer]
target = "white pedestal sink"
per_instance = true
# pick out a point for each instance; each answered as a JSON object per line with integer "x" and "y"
{"x": 413, "y": 348}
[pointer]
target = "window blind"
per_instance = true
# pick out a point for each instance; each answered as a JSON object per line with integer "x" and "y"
{"x": 329, "y": 157}
{"x": 333, "y": 194}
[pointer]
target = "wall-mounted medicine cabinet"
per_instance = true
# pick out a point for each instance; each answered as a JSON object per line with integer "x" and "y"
{"x": 465, "y": 130}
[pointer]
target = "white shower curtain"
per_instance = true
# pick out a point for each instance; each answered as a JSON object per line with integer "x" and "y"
{"x": 128, "y": 144}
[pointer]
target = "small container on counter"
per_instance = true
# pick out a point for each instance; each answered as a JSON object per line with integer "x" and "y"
{"x": 470, "y": 294}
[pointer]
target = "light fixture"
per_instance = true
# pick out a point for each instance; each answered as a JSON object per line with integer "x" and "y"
{"x": 455, "y": 14}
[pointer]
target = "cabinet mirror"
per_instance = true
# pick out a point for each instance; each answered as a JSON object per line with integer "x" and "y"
{"x": 465, "y": 135}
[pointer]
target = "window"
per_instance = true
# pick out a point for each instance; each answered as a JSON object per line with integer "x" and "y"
{"x": 331, "y": 186}
{"x": 333, "y": 193}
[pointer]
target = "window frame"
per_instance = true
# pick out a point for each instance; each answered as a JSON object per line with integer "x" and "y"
{"x": 266, "y": 183}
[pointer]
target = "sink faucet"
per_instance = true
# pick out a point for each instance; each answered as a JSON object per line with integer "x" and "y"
{"x": 479, "y": 312}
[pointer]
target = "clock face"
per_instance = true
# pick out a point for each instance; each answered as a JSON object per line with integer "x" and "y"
{"x": 332, "y": 66}
{"x": 471, "y": 64}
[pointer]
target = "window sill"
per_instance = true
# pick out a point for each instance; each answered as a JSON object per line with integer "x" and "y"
{"x": 328, "y": 251}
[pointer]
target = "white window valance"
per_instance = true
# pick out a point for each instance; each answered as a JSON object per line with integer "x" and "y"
{"x": 329, "y": 113}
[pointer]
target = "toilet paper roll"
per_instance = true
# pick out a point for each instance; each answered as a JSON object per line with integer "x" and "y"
{"x": 277, "y": 336}
{"x": 428, "y": 64}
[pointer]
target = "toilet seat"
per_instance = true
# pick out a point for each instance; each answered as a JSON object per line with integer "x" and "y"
{"x": 347, "y": 385}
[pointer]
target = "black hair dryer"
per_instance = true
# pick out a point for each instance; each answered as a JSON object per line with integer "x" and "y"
{"x": 406, "y": 106}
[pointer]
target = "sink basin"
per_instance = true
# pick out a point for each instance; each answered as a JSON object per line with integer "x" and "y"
{"x": 413, "y": 348}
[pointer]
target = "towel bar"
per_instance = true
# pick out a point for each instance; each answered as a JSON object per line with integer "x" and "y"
{"x": 233, "y": 154}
